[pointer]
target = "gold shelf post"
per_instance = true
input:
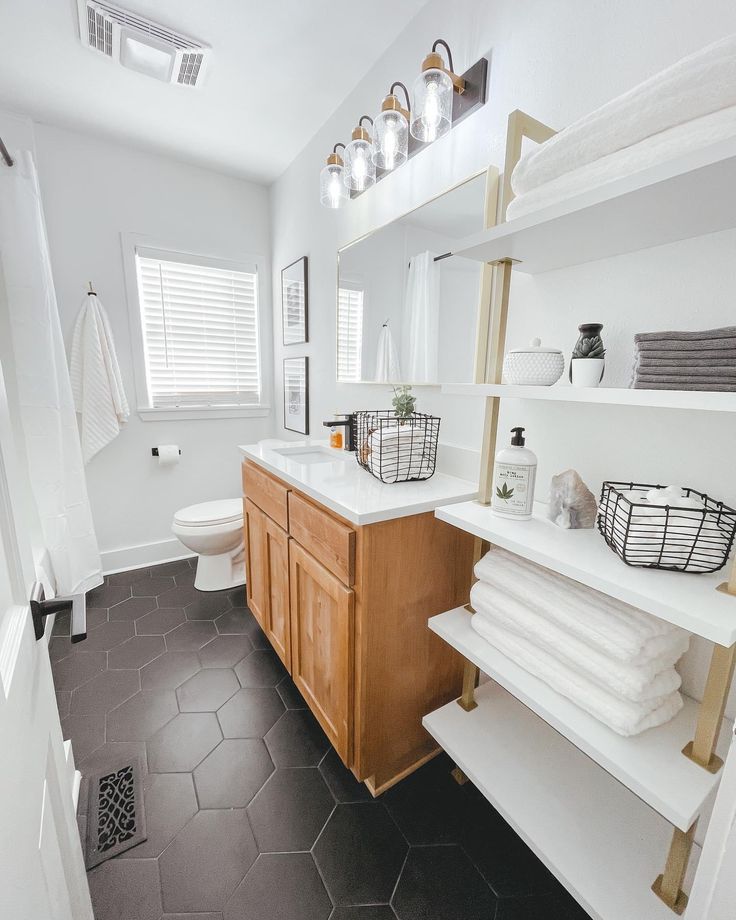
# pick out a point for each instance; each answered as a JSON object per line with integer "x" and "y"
{"x": 668, "y": 886}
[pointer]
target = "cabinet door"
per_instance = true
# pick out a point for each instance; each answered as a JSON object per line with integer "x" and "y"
{"x": 256, "y": 569}
{"x": 278, "y": 622}
{"x": 322, "y": 645}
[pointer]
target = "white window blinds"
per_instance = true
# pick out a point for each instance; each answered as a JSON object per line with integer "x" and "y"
{"x": 349, "y": 333}
{"x": 200, "y": 332}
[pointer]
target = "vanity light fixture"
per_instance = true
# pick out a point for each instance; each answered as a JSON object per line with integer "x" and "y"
{"x": 360, "y": 170}
{"x": 433, "y": 94}
{"x": 391, "y": 131}
{"x": 332, "y": 188}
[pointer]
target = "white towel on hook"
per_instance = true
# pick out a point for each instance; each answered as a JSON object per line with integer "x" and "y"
{"x": 97, "y": 385}
{"x": 387, "y": 358}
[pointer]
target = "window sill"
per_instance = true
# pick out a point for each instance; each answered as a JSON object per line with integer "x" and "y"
{"x": 147, "y": 414}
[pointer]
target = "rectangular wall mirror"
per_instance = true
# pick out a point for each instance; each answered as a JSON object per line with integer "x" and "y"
{"x": 406, "y": 311}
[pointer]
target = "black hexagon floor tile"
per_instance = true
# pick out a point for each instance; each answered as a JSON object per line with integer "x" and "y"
{"x": 170, "y": 568}
{"x": 105, "y": 691}
{"x": 79, "y": 667}
{"x": 440, "y": 883}
{"x": 135, "y": 652}
{"x": 153, "y": 586}
{"x": 107, "y": 595}
{"x": 111, "y": 752}
{"x": 140, "y": 717}
{"x": 217, "y": 915}
{"x": 233, "y": 773}
{"x": 207, "y": 606}
{"x": 127, "y": 578}
{"x": 159, "y": 622}
{"x": 428, "y": 805}
{"x": 109, "y": 635}
{"x": 128, "y": 888}
{"x": 262, "y": 668}
{"x": 170, "y": 670}
{"x": 86, "y": 731}
{"x": 290, "y": 695}
{"x": 183, "y": 742}
{"x": 225, "y": 651}
{"x": 132, "y": 608}
{"x": 237, "y": 621}
{"x": 207, "y": 690}
{"x": 283, "y": 886}
{"x": 59, "y": 647}
{"x": 360, "y": 853}
{"x": 250, "y": 713}
{"x": 290, "y": 810}
{"x": 206, "y": 861}
{"x": 178, "y": 597}
{"x": 343, "y": 785}
{"x": 170, "y": 803}
{"x": 297, "y": 740}
{"x": 192, "y": 635}
{"x": 63, "y": 700}
{"x": 561, "y": 906}
{"x": 373, "y": 912}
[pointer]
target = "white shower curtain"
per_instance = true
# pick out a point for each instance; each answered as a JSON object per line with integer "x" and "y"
{"x": 46, "y": 407}
{"x": 388, "y": 369}
{"x": 421, "y": 321}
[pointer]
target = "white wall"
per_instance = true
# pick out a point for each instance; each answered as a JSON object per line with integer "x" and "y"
{"x": 557, "y": 61}
{"x": 92, "y": 191}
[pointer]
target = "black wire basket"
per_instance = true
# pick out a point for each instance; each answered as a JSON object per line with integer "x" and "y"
{"x": 679, "y": 539}
{"x": 397, "y": 449}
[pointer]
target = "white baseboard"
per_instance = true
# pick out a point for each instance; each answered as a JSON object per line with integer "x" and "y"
{"x": 136, "y": 557}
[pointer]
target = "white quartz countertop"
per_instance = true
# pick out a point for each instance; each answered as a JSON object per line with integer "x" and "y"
{"x": 352, "y": 492}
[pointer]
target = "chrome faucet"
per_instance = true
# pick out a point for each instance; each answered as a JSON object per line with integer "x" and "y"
{"x": 349, "y": 424}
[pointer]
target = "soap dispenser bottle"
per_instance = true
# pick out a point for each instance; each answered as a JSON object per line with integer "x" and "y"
{"x": 514, "y": 474}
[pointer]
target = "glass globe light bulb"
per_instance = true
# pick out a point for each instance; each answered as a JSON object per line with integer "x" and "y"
{"x": 432, "y": 105}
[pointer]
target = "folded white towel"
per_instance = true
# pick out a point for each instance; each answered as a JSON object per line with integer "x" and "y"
{"x": 638, "y": 683}
{"x": 97, "y": 384}
{"x": 674, "y": 142}
{"x": 615, "y": 628}
{"x": 398, "y": 452}
{"x": 624, "y": 717}
{"x": 700, "y": 83}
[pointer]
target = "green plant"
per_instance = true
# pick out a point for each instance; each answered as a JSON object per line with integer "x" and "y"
{"x": 504, "y": 492}
{"x": 403, "y": 402}
{"x": 589, "y": 348}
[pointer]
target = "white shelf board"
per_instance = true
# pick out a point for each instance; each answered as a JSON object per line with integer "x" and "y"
{"x": 615, "y": 396}
{"x": 689, "y": 601}
{"x": 651, "y": 764}
{"x": 602, "y": 842}
{"x": 685, "y": 197}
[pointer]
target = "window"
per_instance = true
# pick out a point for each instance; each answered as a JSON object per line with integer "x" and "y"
{"x": 199, "y": 323}
{"x": 349, "y": 333}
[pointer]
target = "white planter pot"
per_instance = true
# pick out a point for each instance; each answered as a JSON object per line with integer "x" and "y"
{"x": 586, "y": 372}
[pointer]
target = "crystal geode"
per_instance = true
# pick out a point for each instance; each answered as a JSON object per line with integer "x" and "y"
{"x": 571, "y": 503}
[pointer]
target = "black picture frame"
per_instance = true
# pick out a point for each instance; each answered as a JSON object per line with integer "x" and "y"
{"x": 295, "y": 302}
{"x": 296, "y": 394}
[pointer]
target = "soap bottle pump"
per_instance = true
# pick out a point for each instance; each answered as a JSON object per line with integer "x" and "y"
{"x": 514, "y": 474}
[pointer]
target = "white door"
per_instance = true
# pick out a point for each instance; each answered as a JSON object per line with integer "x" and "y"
{"x": 42, "y": 873}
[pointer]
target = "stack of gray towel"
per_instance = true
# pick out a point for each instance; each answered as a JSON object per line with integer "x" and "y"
{"x": 686, "y": 360}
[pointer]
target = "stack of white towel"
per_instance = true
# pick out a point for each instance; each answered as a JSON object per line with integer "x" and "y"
{"x": 614, "y": 661}
{"x": 398, "y": 453}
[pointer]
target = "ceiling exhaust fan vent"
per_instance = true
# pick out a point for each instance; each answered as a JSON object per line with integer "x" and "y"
{"x": 140, "y": 44}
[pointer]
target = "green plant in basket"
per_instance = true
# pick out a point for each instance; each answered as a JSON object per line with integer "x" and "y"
{"x": 403, "y": 402}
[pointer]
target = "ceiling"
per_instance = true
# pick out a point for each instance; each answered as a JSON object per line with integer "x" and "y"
{"x": 277, "y": 71}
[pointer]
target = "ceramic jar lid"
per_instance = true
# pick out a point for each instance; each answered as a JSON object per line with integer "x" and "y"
{"x": 535, "y": 348}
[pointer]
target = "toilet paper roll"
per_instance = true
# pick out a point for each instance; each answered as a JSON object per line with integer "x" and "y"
{"x": 168, "y": 454}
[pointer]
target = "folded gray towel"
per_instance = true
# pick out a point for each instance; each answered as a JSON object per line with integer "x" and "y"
{"x": 725, "y": 332}
{"x": 648, "y": 359}
{"x": 708, "y": 345}
{"x": 684, "y": 379}
{"x": 698, "y": 387}
{"x": 677, "y": 370}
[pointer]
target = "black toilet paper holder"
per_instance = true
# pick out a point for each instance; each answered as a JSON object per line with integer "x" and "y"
{"x": 154, "y": 451}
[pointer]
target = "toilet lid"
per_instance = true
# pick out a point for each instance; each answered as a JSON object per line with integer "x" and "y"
{"x": 222, "y": 511}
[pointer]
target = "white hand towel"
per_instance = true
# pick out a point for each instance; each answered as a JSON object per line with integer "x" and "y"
{"x": 617, "y": 629}
{"x": 97, "y": 385}
{"x": 387, "y": 358}
{"x": 624, "y": 717}
{"x": 637, "y": 683}
{"x": 701, "y": 83}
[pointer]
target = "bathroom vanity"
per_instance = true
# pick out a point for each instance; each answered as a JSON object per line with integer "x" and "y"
{"x": 343, "y": 572}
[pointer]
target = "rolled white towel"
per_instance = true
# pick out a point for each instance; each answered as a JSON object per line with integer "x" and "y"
{"x": 636, "y": 682}
{"x": 616, "y": 628}
{"x": 623, "y": 716}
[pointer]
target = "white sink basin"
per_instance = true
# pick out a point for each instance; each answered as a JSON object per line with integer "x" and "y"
{"x": 309, "y": 455}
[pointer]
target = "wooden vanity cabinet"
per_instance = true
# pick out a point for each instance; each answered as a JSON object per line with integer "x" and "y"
{"x": 346, "y": 608}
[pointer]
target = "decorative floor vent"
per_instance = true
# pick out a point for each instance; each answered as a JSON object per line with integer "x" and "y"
{"x": 115, "y": 817}
{"x": 140, "y": 44}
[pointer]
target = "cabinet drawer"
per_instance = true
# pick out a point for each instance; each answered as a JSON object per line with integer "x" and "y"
{"x": 328, "y": 540}
{"x": 268, "y": 493}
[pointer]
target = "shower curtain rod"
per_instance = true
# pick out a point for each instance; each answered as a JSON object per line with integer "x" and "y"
{"x": 4, "y": 154}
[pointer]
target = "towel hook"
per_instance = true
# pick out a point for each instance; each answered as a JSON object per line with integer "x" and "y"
{"x": 91, "y": 289}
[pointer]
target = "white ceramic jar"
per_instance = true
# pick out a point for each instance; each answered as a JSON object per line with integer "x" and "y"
{"x": 533, "y": 366}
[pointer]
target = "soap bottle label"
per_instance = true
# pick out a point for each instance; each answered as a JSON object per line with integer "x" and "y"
{"x": 513, "y": 489}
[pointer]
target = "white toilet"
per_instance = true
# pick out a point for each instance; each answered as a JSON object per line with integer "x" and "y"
{"x": 214, "y": 530}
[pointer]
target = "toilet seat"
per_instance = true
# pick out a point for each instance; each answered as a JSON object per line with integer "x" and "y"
{"x": 206, "y": 514}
